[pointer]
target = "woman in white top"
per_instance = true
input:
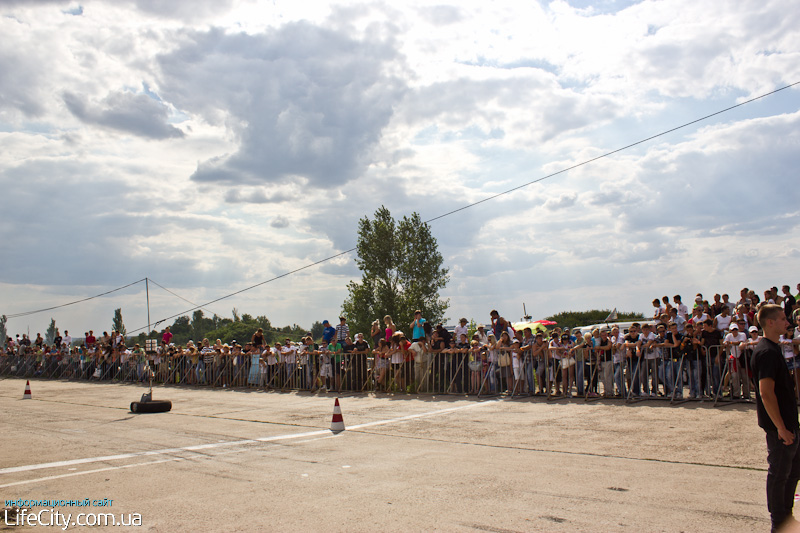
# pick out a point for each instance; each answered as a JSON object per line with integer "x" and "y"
{"x": 271, "y": 363}
{"x": 567, "y": 365}
{"x": 493, "y": 358}
{"x": 381, "y": 362}
{"x": 503, "y": 348}
{"x": 556, "y": 353}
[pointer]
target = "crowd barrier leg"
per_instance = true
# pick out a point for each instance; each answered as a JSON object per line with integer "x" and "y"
{"x": 457, "y": 380}
{"x": 719, "y": 388}
{"x": 677, "y": 388}
{"x": 347, "y": 369}
{"x": 745, "y": 375}
{"x": 371, "y": 377}
{"x": 488, "y": 379}
{"x": 592, "y": 390}
{"x": 518, "y": 386}
{"x": 635, "y": 382}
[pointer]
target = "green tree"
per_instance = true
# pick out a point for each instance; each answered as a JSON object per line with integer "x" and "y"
{"x": 401, "y": 271}
{"x": 116, "y": 323}
{"x": 571, "y": 319}
{"x": 50, "y": 334}
{"x": 317, "y": 329}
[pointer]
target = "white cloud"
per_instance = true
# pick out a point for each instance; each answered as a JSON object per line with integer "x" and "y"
{"x": 215, "y": 145}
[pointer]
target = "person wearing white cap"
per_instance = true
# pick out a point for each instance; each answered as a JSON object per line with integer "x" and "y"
{"x": 483, "y": 338}
{"x": 736, "y": 367}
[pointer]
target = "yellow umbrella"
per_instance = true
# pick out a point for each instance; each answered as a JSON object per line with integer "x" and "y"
{"x": 520, "y": 326}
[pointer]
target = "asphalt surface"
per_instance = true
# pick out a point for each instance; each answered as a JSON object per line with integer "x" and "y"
{"x": 225, "y": 460}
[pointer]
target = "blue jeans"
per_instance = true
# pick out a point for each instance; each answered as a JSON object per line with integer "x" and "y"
{"x": 529, "y": 364}
{"x": 676, "y": 377}
{"x": 694, "y": 378}
{"x": 200, "y": 371}
{"x": 715, "y": 378}
{"x": 493, "y": 377}
{"x": 580, "y": 368}
{"x": 635, "y": 369}
{"x": 619, "y": 378}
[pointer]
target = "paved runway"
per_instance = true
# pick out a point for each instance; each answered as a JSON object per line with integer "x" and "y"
{"x": 227, "y": 460}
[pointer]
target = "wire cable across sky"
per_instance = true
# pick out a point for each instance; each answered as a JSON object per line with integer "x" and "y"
{"x": 433, "y": 219}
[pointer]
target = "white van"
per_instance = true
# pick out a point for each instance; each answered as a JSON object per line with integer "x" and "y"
{"x": 623, "y": 326}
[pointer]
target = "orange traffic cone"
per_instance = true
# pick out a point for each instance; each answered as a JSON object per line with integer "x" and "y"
{"x": 27, "y": 395}
{"x": 337, "y": 423}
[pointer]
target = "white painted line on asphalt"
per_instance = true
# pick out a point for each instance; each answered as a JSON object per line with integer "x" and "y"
{"x": 133, "y": 465}
{"x": 213, "y": 445}
{"x": 48, "y": 478}
{"x": 420, "y": 415}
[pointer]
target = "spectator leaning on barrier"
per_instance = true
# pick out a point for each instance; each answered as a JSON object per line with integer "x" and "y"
{"x": 777, "y": 415}
{"x": 604, "y": 346}
{"x": 712, "y": 340}
{"x": 740, "y": 381}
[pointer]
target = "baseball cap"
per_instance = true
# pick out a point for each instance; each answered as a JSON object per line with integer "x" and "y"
{"x": 734, "y": 326}
{"x": 752, "y": 329}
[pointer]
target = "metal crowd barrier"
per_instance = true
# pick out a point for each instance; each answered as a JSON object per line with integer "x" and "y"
{"x": 699, "y": 375}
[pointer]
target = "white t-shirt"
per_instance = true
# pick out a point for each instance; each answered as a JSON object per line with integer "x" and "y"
{"x": 723, "y": 322}
{"x": 786, "y": 344}
{"x": 682, "y": 310}
{"x": 555, "y": 349}
{"x": 289, "y": 355}
{"x": 653, "y": 352}
{"x": 733, "y": 337}
{"x": 458, "y": 331}
{"x": 619, "y": 350}
{"x": 272, "y": 359}
{"x": 397, "y": 356}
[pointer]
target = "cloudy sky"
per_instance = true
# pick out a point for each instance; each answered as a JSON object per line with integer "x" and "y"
{"x": 210, "y": 145}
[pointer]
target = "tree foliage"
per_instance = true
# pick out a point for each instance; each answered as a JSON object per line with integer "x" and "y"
{"x": 572, "y": 319}
{"x": 401, "y": 271}
{"x": 50, "y": 334}
{"x": 240, "y": 328}
{"x": 316, "y": 330}
{"x": 117, "y": 324}
{"x": 3, "y": 332}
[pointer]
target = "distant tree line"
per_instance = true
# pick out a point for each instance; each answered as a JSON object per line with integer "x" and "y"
{"x": 239, "y": 328}
{"x": 573, "y": 319}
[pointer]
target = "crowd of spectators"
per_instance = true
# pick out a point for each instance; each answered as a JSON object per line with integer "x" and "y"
{"x": 698, "y": 352}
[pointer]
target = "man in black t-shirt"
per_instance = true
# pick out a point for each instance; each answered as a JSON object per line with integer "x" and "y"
{"x": 789, "y": 301}
{"x": 777, "y": 415}
{"x": 711, "y": 339}
{"x": 674, "y": 367}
